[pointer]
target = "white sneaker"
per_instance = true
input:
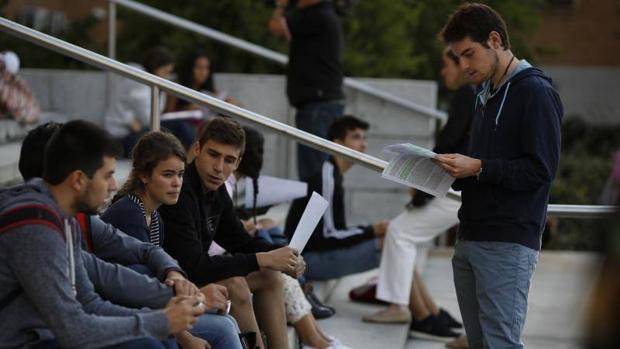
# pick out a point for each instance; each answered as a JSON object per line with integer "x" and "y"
{"x": 336, "y": 344}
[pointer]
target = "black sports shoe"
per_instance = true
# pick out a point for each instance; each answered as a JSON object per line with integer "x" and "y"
{"x": 431, "y": 328}
{"x": 448, "y": 319}
{"x": 319, "y": 310}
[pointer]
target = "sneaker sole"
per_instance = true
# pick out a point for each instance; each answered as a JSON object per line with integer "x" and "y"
{"x": 432, "y": 337}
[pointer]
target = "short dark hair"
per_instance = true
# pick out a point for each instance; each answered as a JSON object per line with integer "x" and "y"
{"x": 454, "y": 58}
{"x": 223, "y": 130}
{"x": 156, "y": 57}
{"x": 33, "y": 147}
{"x": 475, "y": 21}
{"x": 77, "y": 145}
{"x": 339, "y": 128}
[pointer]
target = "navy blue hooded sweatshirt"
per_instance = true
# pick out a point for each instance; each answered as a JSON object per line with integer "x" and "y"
{"x": 516, "y": 134}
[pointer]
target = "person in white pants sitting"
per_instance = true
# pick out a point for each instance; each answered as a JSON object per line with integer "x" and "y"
{"x": 426, "y": 217}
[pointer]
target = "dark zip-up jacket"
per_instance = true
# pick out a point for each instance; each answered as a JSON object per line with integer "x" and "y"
{"x": 199, "y": 218}
{"x": 332, "y": 231}
{"x": 516, "y": 134}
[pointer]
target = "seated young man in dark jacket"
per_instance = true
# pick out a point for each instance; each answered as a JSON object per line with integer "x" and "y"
{"x": 334, "y": 249}
{"x": 205, "y": 213}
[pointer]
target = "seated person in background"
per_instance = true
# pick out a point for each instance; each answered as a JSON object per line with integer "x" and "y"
{"x": 47, "y": 298}
{"x": 129, "y": 114}
{"x": 111, "y": 281}
{"x": 16, "y": 99}
{"x": 204, "y": 213}
{"x": 426, "y": 217}
{"x": 298, "y": 309}
{"x": 194, "y": 71}
{"x": 333, "y": 245}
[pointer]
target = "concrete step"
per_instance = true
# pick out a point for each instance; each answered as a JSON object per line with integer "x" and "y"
{"x": 347, "y": 324}
{"x": 9, "y": 157}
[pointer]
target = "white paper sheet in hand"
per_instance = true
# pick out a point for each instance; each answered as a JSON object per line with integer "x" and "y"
{"x": 309, "y": 220}
{"x": 273, "y": 191}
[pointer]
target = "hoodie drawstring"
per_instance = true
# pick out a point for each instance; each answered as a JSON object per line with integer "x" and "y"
{"x": 501, "y": 106}
{"x": 71, "y": 271}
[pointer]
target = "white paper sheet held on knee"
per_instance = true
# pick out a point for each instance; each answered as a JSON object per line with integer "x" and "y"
{"x": 308, "y": 221}
{"x": 413, "y": 166}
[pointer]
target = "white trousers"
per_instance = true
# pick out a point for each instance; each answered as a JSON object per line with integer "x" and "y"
{"x": 399, "y": 246}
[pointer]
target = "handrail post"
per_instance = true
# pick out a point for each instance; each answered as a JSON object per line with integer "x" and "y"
{"x": 112, "y": 29}
{"x": 154, "y": 108}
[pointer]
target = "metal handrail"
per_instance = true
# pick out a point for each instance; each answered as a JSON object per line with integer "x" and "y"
{"x": 157, "y": 83}
{"x": 251, "y": 48}
{"x": 582, "y": 211}
{"x": 218, "y": 105}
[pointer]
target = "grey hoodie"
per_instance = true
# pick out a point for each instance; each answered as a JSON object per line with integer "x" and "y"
{"x": 43, "y": 263}
{"x": 110, "y": 246}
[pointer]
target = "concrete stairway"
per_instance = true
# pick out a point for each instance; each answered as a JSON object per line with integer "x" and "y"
{"x": 347, "y": 324}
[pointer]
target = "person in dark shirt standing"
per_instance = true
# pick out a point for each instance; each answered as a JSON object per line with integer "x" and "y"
{"x": 505, "y": 178}
{"x": 205, "y": 213}
{"x": 314, "y": 75}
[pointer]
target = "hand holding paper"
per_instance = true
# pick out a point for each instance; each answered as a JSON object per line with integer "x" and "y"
{"x": 414, "y": 166}
{"x": 308, "y": 222}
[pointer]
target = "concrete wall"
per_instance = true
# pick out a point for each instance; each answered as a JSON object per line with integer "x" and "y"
{"x": 82, "y": 94}
{"x": 590, "y": 92}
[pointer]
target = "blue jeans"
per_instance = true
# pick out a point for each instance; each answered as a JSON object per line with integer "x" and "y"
{"x": 492, "y": 281}
{"x": 144, "y": 343}
{"x": 221, "y": 331}
{"x": 333, "y": 264}
{"x": 273, "y": 236}
{"x": 315, "y": 118}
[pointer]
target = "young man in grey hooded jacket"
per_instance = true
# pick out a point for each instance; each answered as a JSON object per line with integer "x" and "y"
{"x": 46, "y": 296}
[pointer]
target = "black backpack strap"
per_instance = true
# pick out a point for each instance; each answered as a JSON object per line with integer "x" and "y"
{"x": 29, "y": 214}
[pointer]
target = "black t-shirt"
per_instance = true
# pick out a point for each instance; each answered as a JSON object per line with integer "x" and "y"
{"x": 315, "y": 58}
{"x": 454, "y": 137}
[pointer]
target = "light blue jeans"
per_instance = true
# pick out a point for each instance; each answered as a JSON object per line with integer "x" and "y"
{"x": 221, "y": 331}
{"x": 492, "y": 281}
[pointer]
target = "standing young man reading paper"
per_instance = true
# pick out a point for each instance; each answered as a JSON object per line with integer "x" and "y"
{"x": 505, "y": 178}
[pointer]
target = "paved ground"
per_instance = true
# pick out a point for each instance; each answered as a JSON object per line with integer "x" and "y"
{"x": 558, "y": 298}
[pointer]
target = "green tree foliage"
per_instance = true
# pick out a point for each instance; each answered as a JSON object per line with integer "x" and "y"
{"x": 587, "y": 155}
{"x": 383, "y": 38}
{"x": 33, "y": 56}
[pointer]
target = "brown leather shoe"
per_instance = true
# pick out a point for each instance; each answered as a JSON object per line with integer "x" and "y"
{"x": 389, "y": 317}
